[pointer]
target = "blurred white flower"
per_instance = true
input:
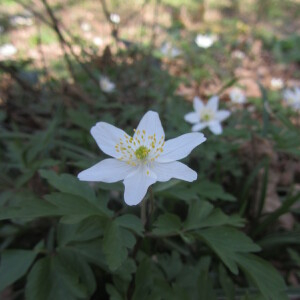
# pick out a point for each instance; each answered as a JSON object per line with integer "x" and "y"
{"x": 143, "y": 159}
{"x": 207, "y": 115}
{"x": 238, "y": 54}
{"x": 106, "y": 85}
{"x": 205, "y": 40}
{"x": 115, "y": 18}
{"x": 237, "y": 96}
{"x": 21, "y": 21}
{"x": 168, "y": 50}
{"x": 85, "y": 26}
{"x": 292, "y": 97}
{"x": 97, "y": 41}
{"x": 8, "y": 50}
{"x": 276, "y": 83}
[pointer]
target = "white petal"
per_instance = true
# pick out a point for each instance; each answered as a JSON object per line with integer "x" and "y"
{"x": 215, "y": 128}
{"x": 213, "y": 103}
{"x": 199, "y": 126}
{"x": 108, "y": 170}
{"x": 175, "y": 169}
{"x": 136, "y": 185}
{"x": 192, "y": 117}
{"x": 180, "y": 147}
{"x": 221, "y": 115}
{"x": 151, "y": 124}
{"x": 198, "y": 104}
{"x": 107, "y": 137}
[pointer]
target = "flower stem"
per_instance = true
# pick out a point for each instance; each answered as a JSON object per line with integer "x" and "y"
{"x": 144, "y": 211}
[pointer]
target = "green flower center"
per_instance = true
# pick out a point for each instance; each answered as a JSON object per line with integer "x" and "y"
{"x": 142, "y": 152}
{"x": 207, "y": 115}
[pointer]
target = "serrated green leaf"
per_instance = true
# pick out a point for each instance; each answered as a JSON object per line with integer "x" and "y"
{"x": 167, "y": 224}
{"x": 131, "y": 222}
{"x": 51, "y": 278}
{"x": 69, "y": 184}
{"x": 14, "y": 265}
{"x": 263, "y": 275}
{"x": 227, "y": 242}
{"x": 113, "y": 246}
{"x": 202, "y": 214}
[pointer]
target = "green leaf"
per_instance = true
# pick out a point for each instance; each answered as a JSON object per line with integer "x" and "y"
{"x": 91, "y": 251}
{"x": 226, "y": 283}
{"x": 115, "y": 243}
{"x": 263, "y": 275}
{"x": 167, "y": 224}
{"x": 69, "y": 184}
{"x": 227, "y": 242}
{"x": 14, "y": 265}
{"x": 53, "y": 278}
{"x": 202, "y": 214}
{"x": 203, "y": 189}
{"x": 205, "y": 283}
{"x": 88, "y": 229}
{"x": 131, "y": 222}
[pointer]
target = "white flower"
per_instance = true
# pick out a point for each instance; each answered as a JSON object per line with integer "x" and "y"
{"x": 8, "y": 50}
{"x": 115, "y": 18}
{"x": 292, "y": 97}
{"x": 143, "y": 159}
{"x": 97, "y": 41}
{"x": 205, "y": 40}
{"x": 276, "y": 83}
{"x": 106, "y": 85}
{"x": 168, "y": 50}
{"x": 21, "y": 21}
{"x": 238, "y": 54}
{"x": 85, "y": 26}
{"x": 237, "y": 96}
{"x": 207, "y": 115}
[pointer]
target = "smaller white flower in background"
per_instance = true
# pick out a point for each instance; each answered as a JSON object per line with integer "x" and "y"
{"x": 21, "y": 20}
{"x": 115, "y": 18}
{"x": 292, "y": 97}
{"x": 8, "y": 50}
{"x": 85, "y": 26}
{"x": 238, "y": 54}
{"x": 97, "y": 41}
{"x": 207, "y": 115}
{"x": 168, "y": 50}
{"x": 205, "y": 40}
{"x": 106, "y": 85}
{"x": 276, "y": 83}
{"x": 237, "y": 96}
{"x": 142, "y": 159}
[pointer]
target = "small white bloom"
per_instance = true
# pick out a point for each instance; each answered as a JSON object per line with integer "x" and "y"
{"x": 8, "y": 50}
{"x": 115, "y": 18}
{"x": 97, "y": 41}
{"x": 205, "y": 40}
{"x": 292, "y": 97}
{"x": 276, "y": 83}
{"x": 85, "y": 26}
{"x": 168, "y": 50}
{"x": 106, "y": 85}
{"x": 207, "y": 115}
{"x": 238, "y": 54}
{"x": 142, "y": 159}
{"x": 237, "y": 96}
{"x": 21, "y": 21}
